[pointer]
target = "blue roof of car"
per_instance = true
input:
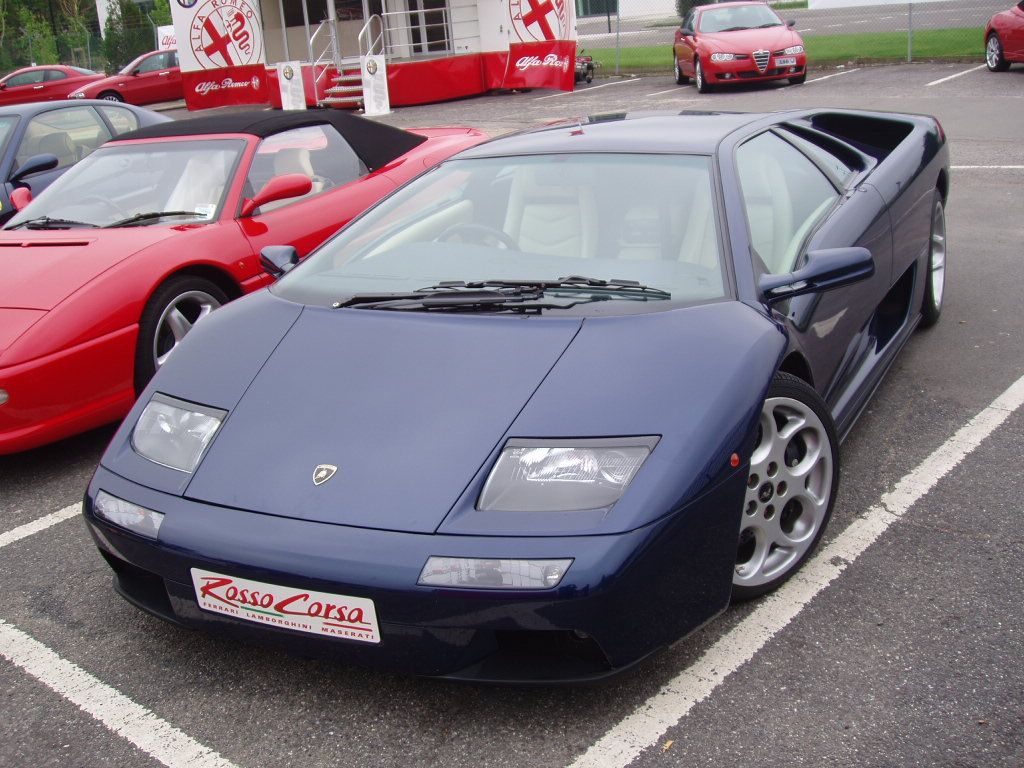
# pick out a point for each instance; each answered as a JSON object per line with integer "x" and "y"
{"x": 686, "y": 132}
{"x": 34, "y": 108}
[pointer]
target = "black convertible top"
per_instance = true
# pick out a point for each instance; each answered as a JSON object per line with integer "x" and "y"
{"x": 375, "y": 143}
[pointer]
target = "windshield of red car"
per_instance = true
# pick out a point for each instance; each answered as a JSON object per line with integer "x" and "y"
{"x": 613, "y": 217}
{"x": 119, "y": 181}
{"x": 737, "y": 17}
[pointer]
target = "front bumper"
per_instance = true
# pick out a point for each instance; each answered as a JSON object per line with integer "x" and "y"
{"x": 624, "y": 597}
{"x": 746, "y": 70}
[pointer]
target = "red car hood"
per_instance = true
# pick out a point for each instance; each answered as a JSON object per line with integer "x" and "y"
{"x": 750, "y": 40}
{"x": 41, "y": 268}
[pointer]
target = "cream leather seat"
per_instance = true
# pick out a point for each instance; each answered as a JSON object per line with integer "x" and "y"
{"x": 553, "y": 211}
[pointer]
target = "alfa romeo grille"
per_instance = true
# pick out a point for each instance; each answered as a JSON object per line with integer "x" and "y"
{"x": 761, "y": 59}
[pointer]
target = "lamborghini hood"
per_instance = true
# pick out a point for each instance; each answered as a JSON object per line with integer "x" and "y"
{"x": 41, "y": 268}
{"x": 406, "y": 407}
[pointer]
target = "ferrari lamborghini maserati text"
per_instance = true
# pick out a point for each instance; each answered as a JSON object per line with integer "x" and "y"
{"x": 303, "y": 610}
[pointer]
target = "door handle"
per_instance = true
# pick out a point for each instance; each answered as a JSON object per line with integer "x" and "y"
{"x": 38, "y": 87}
{"x": 164, "y": 74}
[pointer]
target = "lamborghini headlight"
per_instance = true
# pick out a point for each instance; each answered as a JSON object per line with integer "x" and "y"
{"x": 175, "y": 433}
{"x": 793, "y": 49}
{"x": 563, "y": 475}
{"x": 723, "y": 56}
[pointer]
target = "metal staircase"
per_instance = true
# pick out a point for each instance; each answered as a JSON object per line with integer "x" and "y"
{"x": 345, "y": 89}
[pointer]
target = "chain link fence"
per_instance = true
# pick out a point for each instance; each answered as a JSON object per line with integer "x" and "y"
{"x": 636, "y": 35}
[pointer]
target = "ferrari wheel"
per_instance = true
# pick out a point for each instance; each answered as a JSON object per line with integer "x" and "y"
{"x": 681, "y": 79}
{"x": 170, "y": 314}
{"x": 994, "y": 54}
{"x": 791, "y": 488}
{"x": 111, "y": 96}
{"x": 935, "y": 279}
{"x": 703, "y": 86}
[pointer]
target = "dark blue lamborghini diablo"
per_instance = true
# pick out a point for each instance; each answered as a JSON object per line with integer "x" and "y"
{"x": 543, "y": 410}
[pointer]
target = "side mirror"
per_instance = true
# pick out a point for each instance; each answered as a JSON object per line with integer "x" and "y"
{"x": 686, "y": 31}
{"x": 21, "y": 197}
{"x": 824, "y": 270}
{"x": 791, "y": 23}
{"x": 3, "y": 86}
{"x": 135, "y": 72}
{"x": 35, "y": 164}
{"x": 278, "y": 259}
{"x": 278, "y": 188}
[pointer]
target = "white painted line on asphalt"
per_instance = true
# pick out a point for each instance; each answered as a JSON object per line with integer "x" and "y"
{"x": 836, "y": 74}
{"x": 809, "y": 29}
{"x": 157, "y": 738}
{"x": 47, "y": 521}
{"x": 953, "y": 77}
{"x": 677, "y": 89}
{"x": 987, "y": 167}
{"x": 645, "y": 726}
{"x": 587, "y": 89}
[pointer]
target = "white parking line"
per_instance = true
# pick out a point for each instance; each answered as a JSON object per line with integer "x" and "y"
{"x": 587, "y": 89}
{"x": 987, "y": 167}
{"x": 157, "y": 738}
{"x": 677, "y": 89}
{"x": 47, "y": 521}
{"x": 953, "y": 77}
{"x": 835, "y": 74}
{"x": 642, "y": 729}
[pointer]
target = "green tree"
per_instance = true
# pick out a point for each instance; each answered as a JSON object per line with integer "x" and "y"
{"x": 161, "y": 13}
{"x": 36, "y": 41}
{"x": 126, "y": 34}
{"x": 685, "y": 6}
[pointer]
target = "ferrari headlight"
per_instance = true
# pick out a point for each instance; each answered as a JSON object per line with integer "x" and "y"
{"x": 563, "y": 475}
{"x": 723, "y": 56}
{"x": 136, "y": 519}
{"x": 794, "y": 49}
{"x": 175, "y": 433}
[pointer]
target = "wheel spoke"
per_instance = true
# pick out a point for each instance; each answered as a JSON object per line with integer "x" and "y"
{"x": 178, "y": 324}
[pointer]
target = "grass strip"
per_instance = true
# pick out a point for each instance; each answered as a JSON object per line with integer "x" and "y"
{"x": 930, "y": 44}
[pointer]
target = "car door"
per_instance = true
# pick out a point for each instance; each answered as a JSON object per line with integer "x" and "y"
{"x": 1015, "y": 33}
{"x": 23, "y": 87}
{"x": 169, "y": 78}
{"x": 145, "y": 83}
{"x": 686, "y": 45}
{"x": 341, "y": 188}
{"x": 796, "y": 203}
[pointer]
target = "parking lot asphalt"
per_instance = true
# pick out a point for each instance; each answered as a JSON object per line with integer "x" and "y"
{"x": 909, "y": 656}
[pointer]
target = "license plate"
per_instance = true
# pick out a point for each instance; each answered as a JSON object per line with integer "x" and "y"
{"x": 303, "y": 610}
{"x": 786, "y": 61}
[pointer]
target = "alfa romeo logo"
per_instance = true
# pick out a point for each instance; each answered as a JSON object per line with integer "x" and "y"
{"x": 288, "y": 73}
{"x": 187, "y": 3}
{"x": 538, "y": 20}
{"x": 371, "y": 67}
{"x": 323, "y": 473}
{"x": 226, "y": 33}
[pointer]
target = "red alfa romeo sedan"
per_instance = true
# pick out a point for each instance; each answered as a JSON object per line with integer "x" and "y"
{"x": 1004, "y": 39}
{"x": 43, "y": 83}
{"x": 735, "y": 43}
{"x": 151, "y": 78}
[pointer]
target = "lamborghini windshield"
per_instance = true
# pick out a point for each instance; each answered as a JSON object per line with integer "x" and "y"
{"x": 643, "y": 224}
{"x": 174, "y": 182}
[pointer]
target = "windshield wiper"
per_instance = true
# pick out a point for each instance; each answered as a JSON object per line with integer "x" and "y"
{"x": 770, "y": 24}
{"x": 139, "y": 218}
{"x": 443, "y": 295}
{"x": 571, "y": 282}
{"x": 45, "y": 222}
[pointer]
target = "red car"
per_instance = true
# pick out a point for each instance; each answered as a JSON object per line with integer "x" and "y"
{"x": 1004, "y": 39}
{"x": 151, "y": 78}
{"x": 43, "y": 83}
{"x": 737, "y": 43}
{"x": 112, "y": 265}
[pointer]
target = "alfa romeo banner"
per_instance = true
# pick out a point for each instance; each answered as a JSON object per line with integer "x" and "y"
{"x": 220, "y": 48}
{"x": 544, "y": 55}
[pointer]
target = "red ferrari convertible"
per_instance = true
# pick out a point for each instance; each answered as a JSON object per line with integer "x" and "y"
{"x": 110, "y": 267}
{"x": 1004, "y": 39}
{"x": 732, "y": 43}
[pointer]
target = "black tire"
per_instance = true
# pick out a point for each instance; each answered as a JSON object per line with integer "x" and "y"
{"x": 935, "y": 270}
{"x": 111, "y": 96}
{"x": 681, "y": 79}
{"x": 194, "y": 297}
{"x": 788, "y": 504}
{"x": 798, "y": 80}
{"x": 994, "y": 58}
{"x": 703, "y": 86}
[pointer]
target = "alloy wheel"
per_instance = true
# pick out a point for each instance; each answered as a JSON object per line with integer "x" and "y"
{"x": 177, "y": 319}
{"x": 937, "y": 258}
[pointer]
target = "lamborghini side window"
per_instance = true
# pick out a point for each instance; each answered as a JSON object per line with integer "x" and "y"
{"x": 785, "y": 196}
